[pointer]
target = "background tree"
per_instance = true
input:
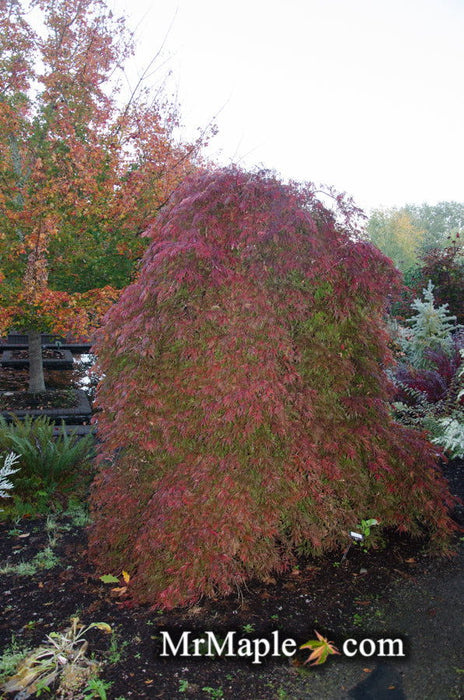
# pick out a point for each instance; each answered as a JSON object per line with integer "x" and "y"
{"x": 408, "y": 233}
{"x": 244, "y": 411}
{"x": 80, "y": 177}
{"x": 444, "y": 267}
{"x": 397, "y": 235}
{"x": 440, "y": 222}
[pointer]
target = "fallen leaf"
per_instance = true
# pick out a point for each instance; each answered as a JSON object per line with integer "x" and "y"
{"x": 103, "y": 626}
{"x": 108, "y": 578}
{"x": 119, "y": 591}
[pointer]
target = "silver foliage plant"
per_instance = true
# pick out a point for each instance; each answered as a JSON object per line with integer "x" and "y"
{"x": 6, "y": 471}
{"x": 451, "y": 437}
{"x": 431, "y": 328}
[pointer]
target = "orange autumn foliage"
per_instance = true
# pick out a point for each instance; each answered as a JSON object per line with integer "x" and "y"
{"x": 80, "y": 176}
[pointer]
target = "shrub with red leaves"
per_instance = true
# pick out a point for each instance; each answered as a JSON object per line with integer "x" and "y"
{"x": 244, "y": 407}
{"x": 435, "y": 385}
{"x": 445, "y": 267}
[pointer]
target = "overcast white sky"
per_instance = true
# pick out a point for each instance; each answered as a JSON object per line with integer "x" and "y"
{"x": 365, "y": 95}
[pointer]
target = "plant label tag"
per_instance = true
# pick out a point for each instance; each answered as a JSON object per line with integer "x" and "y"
{"x": 356, "y": 536}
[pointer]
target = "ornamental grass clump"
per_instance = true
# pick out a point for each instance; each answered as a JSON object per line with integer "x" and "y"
{"x": 244, "y": 414}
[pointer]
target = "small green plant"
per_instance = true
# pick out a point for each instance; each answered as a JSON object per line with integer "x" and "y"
{"x": 96, "y": 688}
{"x": 46, "y": 559}
{"x": 116, "y": 649}
{"x": 366, "y": 526}
{"x": 363, "y": 531}
{"x": 61, "y": 659}
{"x": 11, "y": 657}
{"x": 32, "y": 624}
{"x": 282, "y": 694}
{"x": 42, "y": 687}
{"x": 183, "y": 686}
{"x": 37, "y": 504}
{"x": 15, "y": 531}
{"x": 360, "y": 535}
{"x": 248, "y": 628}
{"x": 78, "y": 513}
{"x": 22, "y": 568}
{"x": 52, "y": 529}
{"x": 213, "y": 692}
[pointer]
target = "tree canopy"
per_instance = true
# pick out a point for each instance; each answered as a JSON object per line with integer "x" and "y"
{"x": 244, "y": 413}
{"x": 407, "y": 234}
{"x": 81, "y": 177}
{"x": 394, "y": 232}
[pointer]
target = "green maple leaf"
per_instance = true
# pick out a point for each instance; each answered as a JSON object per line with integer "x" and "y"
{"x": 321, "y": 648}
{"x": 109, "y": 578}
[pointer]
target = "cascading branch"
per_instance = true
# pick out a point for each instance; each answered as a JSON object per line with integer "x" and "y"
{"x": 244, "y": 411}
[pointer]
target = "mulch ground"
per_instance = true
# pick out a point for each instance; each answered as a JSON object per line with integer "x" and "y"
{"x": 24, "y": 400}
{"x": 322, "y": 595}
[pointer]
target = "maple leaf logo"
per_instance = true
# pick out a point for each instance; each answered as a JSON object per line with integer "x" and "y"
{"x": 321, "y": 648}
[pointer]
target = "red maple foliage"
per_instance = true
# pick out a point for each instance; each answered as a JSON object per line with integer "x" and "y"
{"x": 445, "y": 268}
{"x": 244, "y": 410}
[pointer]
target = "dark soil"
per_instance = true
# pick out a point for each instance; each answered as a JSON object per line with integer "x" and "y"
{"x": 337, "y": 600}
{"x": 24, "y": 400}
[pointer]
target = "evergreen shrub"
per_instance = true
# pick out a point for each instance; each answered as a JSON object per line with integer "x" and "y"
{"x": 244, "y": 411}
{"x": 49, "y": 465}
{"x": 431, "y": 329}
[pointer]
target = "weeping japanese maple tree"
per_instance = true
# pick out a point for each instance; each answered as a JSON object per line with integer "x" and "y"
{"x": 244, "y": 410}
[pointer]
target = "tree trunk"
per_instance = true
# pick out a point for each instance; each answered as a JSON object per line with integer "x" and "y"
{"x": 36, "y": 374}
